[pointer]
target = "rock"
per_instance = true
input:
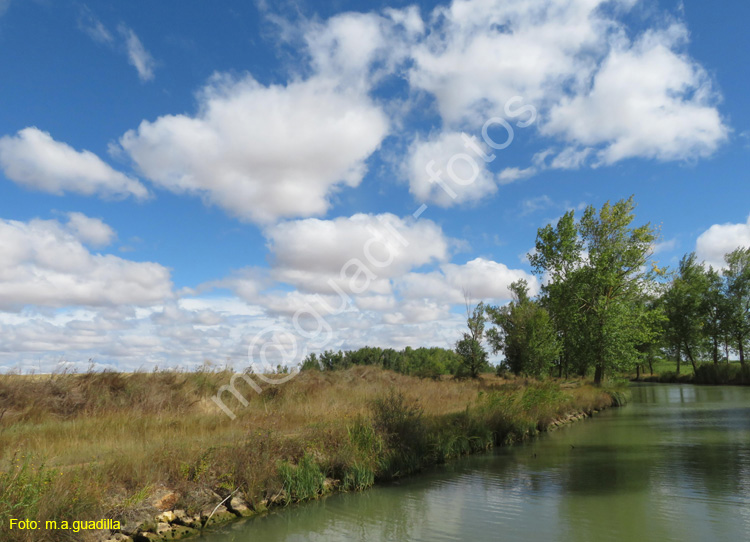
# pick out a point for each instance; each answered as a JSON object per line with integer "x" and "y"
{"x": 179, "y": 531}
{"x": 118, "y": 537}
{"x": 162, "y": 528}
{"x": 238, "y": 507}
{"x": 195, "y": 522}
{"x": 220, "y": 515}
{"x": 166, "y": 517}
{"x": 164, "y": 499}
{"x": 261, "y": 506}
{"x": 148, "y": 537}
{"x": 181, "y": 517}
{"x": 139, "y": 524}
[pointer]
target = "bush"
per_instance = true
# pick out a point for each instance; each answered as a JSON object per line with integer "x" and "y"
{"x": 401, "y": 427}
{"x": 302, "y": 481}
{"x": 722, "y": 373}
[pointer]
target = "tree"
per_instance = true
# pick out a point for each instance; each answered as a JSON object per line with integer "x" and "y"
{"x": 524, "y": 333}
{"x": 557, "y": 255}
{"x": 686, "y": 310}
{"x": 738, "y": 298}
{"x": 715, "y": 311}
{"x": 469, "y": 348}
{"x": 596, "y": 277}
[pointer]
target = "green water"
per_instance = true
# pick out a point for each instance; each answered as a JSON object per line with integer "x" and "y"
{"x": 672, "y": 465}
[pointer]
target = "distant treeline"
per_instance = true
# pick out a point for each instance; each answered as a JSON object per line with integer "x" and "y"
{"x": 422, "y": 362}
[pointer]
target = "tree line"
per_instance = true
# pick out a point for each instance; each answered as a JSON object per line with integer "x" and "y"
{"x": 423, "y": 362}
{"x": 604, "y": 308}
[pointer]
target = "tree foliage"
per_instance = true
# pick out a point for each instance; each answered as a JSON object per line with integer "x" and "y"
{"x": 474, "y": 359}
{"x": 596, "y": 285}
{"x": 524, "y": 333}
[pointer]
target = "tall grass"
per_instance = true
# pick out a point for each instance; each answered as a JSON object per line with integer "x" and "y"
{"x": 100, "y": 445}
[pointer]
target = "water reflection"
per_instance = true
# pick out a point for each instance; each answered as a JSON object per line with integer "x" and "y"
{"x": 674, "y": 465}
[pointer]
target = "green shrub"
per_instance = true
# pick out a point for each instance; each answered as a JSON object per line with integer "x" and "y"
{"x": 302, "y": 481}
{"x": 21, "y": 488}
{"x": 401, "y": 426}
{"x": 358, "y": 477}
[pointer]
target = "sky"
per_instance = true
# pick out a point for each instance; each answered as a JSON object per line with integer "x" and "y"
{"x": 242, "y": 183}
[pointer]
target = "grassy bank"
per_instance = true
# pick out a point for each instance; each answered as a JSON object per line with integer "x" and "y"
{"x": 124, "y": 446}
{"x": 732, "y": 374}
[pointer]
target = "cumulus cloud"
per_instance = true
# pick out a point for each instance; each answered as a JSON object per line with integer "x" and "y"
{"x": 33, "y": 159}
{"x": 138, "y": 56}
{"x": 262, "y": 152}
{"x": 45, "y": 264}
{"x": 720, "y": 239}
{"x": 480, "y": 279}
{"x": 601, "y": 93}
{"x": 646, "y": 100}
{"x": 308, "y": 253}
{"x": 446, "y": 170}
{"x": 481, "y": 53}
{"x": 92, "y": 231}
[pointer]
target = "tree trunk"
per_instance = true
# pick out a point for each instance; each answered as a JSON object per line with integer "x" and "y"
{"x": 716, "y": 351}
{"x": 598, "y": 374}
{"x": 679, "y": 359}
{"x": 742, "y": 352}
{"x": 690, "y": 357}
{"x": 638, "y": 372}
{"x": 726, "y": 348}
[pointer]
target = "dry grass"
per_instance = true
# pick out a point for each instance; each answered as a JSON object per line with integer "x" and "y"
{"x": 108, "y": 438}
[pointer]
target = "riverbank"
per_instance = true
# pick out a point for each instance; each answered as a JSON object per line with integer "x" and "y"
{"x": 713, "y": 374}
{"x": 153, "y": 452}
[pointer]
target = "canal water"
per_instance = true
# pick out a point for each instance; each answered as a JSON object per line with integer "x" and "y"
{"x": 672, "y": 465}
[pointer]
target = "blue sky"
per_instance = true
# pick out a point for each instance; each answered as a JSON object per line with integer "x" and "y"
{"x": 183, "y": 182}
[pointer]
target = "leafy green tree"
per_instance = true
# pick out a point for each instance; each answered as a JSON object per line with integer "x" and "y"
{"x": 557, "y": 255}
{"x": 311, "y": 363}
{"x": 524, "y": 333}
{"x": 595, "y": 268}
{"x": 686, "y": 310}
{"x": 738, "y": 298}
{"x": 473, "y": 355}
{"x": 715, "y": 312}
{"x": 331, "y": 361}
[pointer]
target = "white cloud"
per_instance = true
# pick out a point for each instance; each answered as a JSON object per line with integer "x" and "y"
{"x": 308, "y": 253}
{"x": 570, "y": 158}
{"x": 92, "y": 231}
{"x": 33, "y": 159}
{"x": 512, "y": 174}
{"x": 646, "y": 100}
{"x": 481, "y": 53}
{"x": 720, "y": 239}
{"x": 601, "y": 93}
{"x": 480, "y": 279}
{"x": 532, "y": 205}
{"x": 362, "y": 48}
{"x": 92, "y": 26}
{"x": 446, "y": 171}
{"x": 45, "y": 264}
{"x": 138, "y": 56}
{"x": 260, "y": 152}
